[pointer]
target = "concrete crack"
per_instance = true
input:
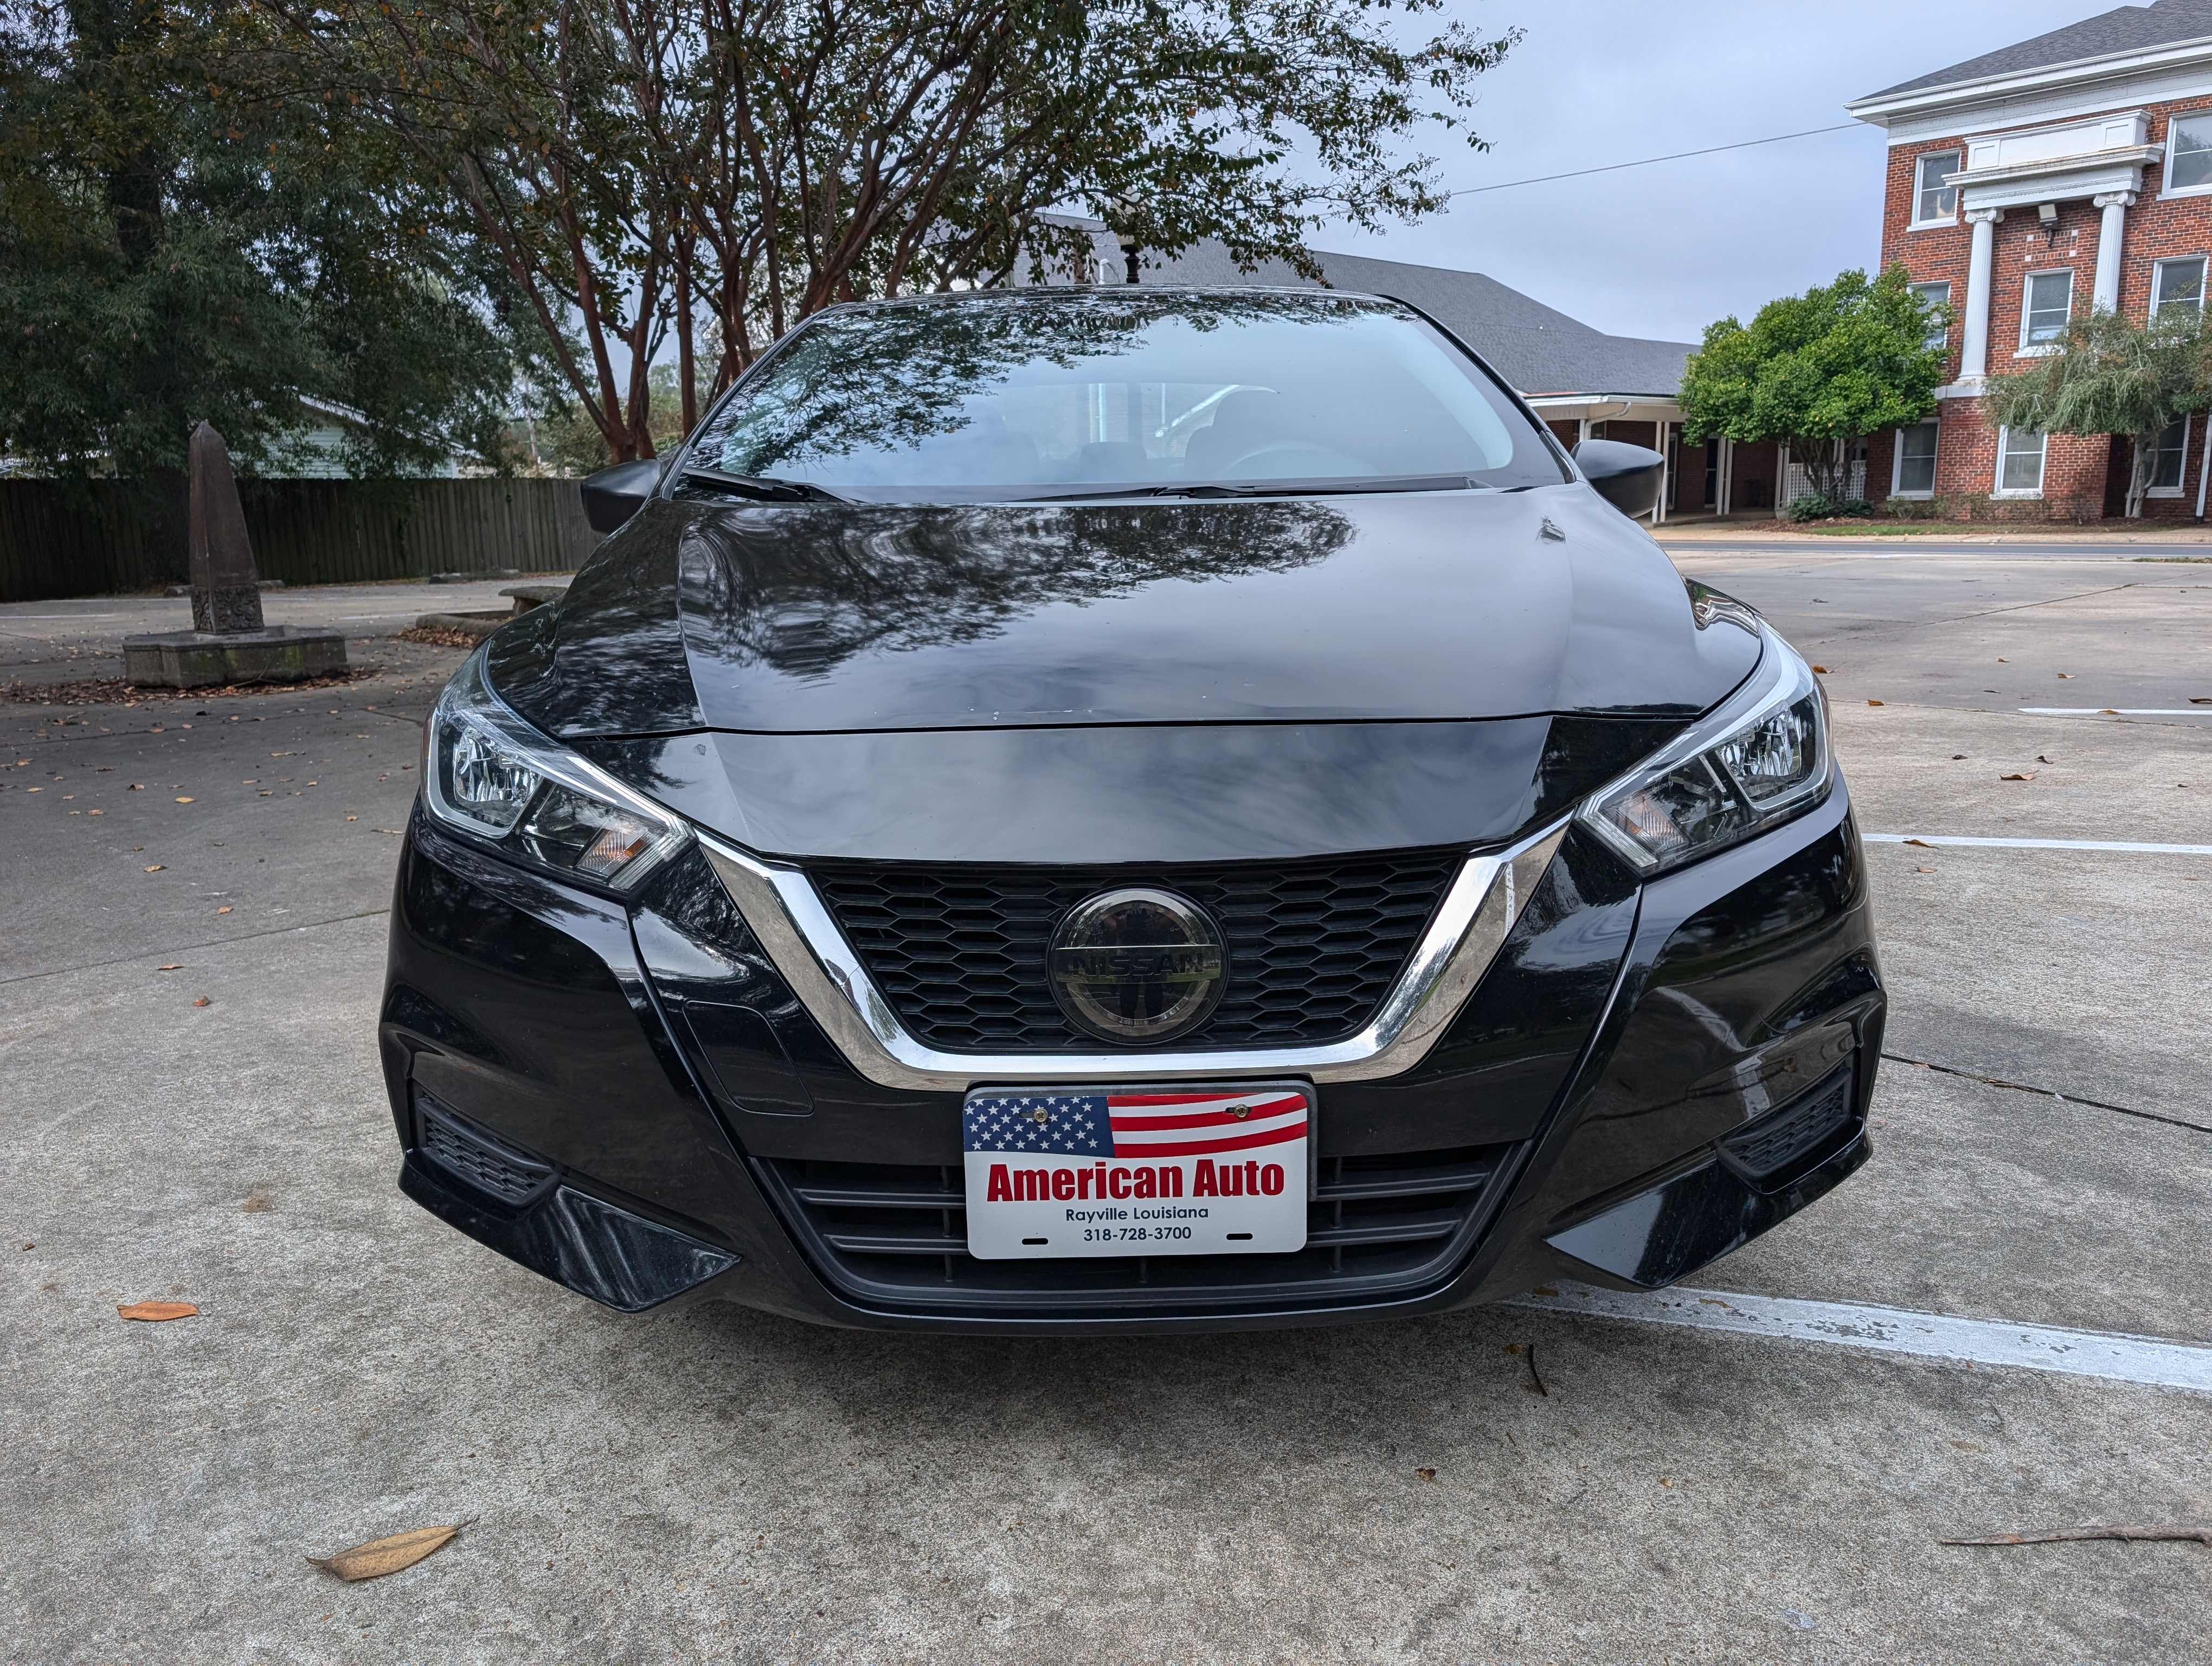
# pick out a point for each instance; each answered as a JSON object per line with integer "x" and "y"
{"x": 2049, "y": 1092}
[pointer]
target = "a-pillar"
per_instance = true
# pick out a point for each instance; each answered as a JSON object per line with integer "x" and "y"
{"x": 2106, "y": 293}
{"x": 1974, "y": 350}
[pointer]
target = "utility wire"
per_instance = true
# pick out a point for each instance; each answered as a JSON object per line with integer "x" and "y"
{"x": 1615, "y": 167}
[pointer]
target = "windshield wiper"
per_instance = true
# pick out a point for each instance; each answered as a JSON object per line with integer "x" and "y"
{"x": 1214, "y": 488}
{"x": 766, "y": 487}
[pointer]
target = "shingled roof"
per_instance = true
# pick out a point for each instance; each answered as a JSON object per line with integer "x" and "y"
{"x": 2125, "y": 29}
{"x": 1539, "y": 351}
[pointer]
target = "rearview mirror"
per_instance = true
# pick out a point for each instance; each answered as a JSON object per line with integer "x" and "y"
{"x": 612, "y": 496}
{"x": 1626, "y": 477}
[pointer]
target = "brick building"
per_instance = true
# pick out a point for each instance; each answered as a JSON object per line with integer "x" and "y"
{"x": 2025, "y": 186}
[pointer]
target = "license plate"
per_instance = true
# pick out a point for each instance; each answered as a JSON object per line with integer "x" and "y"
{"x": 1209, "y": 1169}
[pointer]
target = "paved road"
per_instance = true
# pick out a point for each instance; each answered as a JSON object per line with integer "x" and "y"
{"x": 721, "y": 1485}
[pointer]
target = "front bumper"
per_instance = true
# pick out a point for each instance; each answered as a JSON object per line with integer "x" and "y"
{"x": 633, "y": 1101}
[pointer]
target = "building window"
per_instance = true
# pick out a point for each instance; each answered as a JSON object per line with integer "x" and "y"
{"x": 2189, "y": 155}
{"x": 2020, "y": 464}
{"x": 1913, "y": 475}
{"x": 2179, "y": 283}
{"x": 2046, "y": 302}
{"x": 1932, "y": 295}
{"x": 2173, "y": 456}
{"x": 1934, "y": 203}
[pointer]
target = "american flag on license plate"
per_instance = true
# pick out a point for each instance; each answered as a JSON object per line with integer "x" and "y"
{"x": 1135, "y": 1124}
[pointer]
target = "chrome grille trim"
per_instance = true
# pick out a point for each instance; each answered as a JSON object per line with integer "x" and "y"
{"x": 781, "y": 908}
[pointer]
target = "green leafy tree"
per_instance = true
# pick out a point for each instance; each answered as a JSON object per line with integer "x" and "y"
{"x": 171, "y": 250}
{"x": 2109, "y": 376}
{"x": 719, "y": 169}
{"x": 1819, "y": 371}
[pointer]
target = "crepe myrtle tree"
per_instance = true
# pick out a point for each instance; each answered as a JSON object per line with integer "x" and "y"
{"x": 2107, "y": 374}
{"x": 720, "y": 169}
{"x": 1819, "y": 371}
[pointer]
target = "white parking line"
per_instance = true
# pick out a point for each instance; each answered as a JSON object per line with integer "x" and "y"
{"x": 2040, "y": 844}
{"x": 2117, "y": 711}
{"x": 2117, "y": 1358}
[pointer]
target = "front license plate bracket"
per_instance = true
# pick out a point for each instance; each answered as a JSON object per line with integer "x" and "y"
{"x": 1178, "y": 1169}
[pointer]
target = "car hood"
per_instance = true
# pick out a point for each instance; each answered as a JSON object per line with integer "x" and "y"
{"x": 976, "y": 683}
{"x": 825, "y": 618}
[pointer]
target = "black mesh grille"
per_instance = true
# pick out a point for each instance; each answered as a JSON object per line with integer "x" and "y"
{"x": 469, "y": 1154}
{"x": 960, "y": 952}
{"x": 1380, "y": 1226}
{"x": 1777, "y": 1140}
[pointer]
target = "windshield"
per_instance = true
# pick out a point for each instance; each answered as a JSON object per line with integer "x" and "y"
{"x": 1073, "y": 394}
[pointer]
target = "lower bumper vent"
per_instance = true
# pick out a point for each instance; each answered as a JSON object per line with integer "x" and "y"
{"x": 1379, "y": 1227}
{"x": 474, "y": 1157}
{"x": 1769, "y": 1152}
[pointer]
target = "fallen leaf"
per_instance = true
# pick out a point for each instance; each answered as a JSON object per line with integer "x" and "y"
{"x": 95, "y": 812}
{"x": 2003, "y": 660}
{"x": 1923, "y": 870}
{"x": 225, "y": 908}
{"x": 1543, "y": 1290}
{"x": 2200, "y": 699}
{"x": 1922, "y": 843}
{"x": 172, "y": 966}
{"x": 2039, "y": 758}
{"x": 379, "y": 1557}
{"x": 1873, "y": 702}
{"x": 257, "y": 1203}
{"x": 2065, "y": 676}
{"x": 1957, "y": 758}
{"x": 1823, "y": 670}
{"x": 2030, "y": 775}
{"x": 137, "y": 787}
{"x": 353, "y": 818}
{"x": 2202, "y": 1536}
{"x": 1663, "y": 1481}
{"x": 154, "y": 1312}
{"x": 156, "y": 867}
{"x": 2107, "y": 711}
{"x": 203, "y": 1001}
{"x": 1427, "y": 1474}
{"x": 184, "y": 800}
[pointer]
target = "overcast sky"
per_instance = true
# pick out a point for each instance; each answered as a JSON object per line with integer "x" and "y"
{"x": 1663, "y": 250}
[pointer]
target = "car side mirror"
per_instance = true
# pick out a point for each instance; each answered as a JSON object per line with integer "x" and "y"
{"x": 612, "y": 496}
{"x": 1626, "y": 476}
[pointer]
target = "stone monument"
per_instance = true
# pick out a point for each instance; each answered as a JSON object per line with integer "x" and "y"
{"x": 228, "y": 642}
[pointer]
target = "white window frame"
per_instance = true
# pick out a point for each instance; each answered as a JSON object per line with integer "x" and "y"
{"x": 2166, "y": 187}
{"x": 2158, "y": 278}
{"x": 2188, "y": 427}
{"x": 1958, "y": 162}
{"x": 1897, "y": 463}
{"x": 2041, "y": 349}
{"x": 1998, "y": 488}
{"x": 1935, "y": 337}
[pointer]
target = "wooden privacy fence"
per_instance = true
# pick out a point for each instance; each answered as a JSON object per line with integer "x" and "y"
{"x": 99, "y": 536}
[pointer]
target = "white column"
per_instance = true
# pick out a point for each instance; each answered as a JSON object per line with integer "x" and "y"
{"x": 1974, "y": 351}
{"x": 2116, "y": 205}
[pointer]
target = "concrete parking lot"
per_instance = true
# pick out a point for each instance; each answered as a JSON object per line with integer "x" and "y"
{"x": 192, "y": 927}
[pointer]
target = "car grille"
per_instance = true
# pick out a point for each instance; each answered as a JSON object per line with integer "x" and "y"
{"x": 960, "y": 952}
{"x": 1379, "y": 1227}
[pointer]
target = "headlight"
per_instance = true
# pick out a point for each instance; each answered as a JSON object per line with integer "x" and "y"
{"x": 1762, "y": 757}
{"x": 488, "y": 774}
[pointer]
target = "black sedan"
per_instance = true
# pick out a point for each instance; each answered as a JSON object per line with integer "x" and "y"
{"x": 1102, "y": 808}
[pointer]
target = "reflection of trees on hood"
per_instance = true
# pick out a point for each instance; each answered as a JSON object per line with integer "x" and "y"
{"x": 801, "y": 590}
{"x": 888, "y": 376}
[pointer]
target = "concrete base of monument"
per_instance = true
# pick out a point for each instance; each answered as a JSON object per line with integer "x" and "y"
{"x": 193, "y": 660}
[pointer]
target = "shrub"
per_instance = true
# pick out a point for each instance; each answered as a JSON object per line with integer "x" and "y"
{"x": 1822, "y": 508}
